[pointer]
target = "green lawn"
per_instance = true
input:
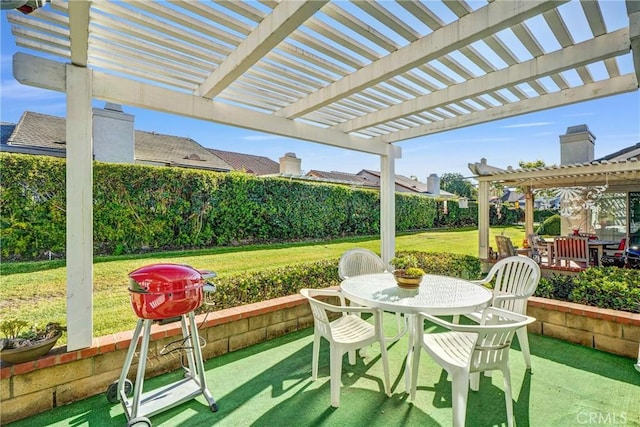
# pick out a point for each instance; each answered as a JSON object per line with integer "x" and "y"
{"x": 36, "y": 291}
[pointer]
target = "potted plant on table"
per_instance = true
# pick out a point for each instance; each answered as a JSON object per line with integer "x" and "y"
{"x": 407, "y": 272}
{"x": 20, "y": 346}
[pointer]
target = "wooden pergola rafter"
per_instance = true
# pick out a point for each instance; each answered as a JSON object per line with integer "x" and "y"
{"x": 359, "y": 75}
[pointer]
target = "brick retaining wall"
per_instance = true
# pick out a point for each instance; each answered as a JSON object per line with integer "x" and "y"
{"x": 63, "y": 377}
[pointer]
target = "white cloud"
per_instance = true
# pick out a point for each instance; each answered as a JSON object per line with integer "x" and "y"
{"x": 12, "y": 90}
{"x": 526, "y": 125}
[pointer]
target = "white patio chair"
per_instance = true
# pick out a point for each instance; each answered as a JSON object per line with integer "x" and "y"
{"x": 469, "y": 349}
{"x": 359, "y": 261}
{"x": 345, "y": 334}
{"x": 514, "y": 280}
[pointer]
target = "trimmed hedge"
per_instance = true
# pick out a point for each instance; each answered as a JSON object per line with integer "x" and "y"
{"x": 140, "y": 208}
{"x": 262, "y": 285}
{"x": 605, "y": 287}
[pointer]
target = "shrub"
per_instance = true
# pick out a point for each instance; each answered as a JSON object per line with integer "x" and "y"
{"x": 608, "y": 287}
{"x": 262, "y": 285}
{"x": 559, "y": 287}
{"x": 463, "y": 266}
{"x": 605, "y": 287}
{"x": 550, "y": 226}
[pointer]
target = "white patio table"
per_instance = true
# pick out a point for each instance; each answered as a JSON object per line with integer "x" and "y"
{"x": 437, "y": 295}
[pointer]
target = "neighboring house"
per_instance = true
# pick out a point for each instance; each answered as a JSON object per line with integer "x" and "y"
{"x": 629, "y": 153}
{"x": 115, "y": 140}
{"x": 342, "y": 178}
{"x": 42, "y": 134}
{"x": 167, "y": 150}
{"x": 249, "y": 163}
{"x": 410, "y": 185}
{"x": 371, "y": 179}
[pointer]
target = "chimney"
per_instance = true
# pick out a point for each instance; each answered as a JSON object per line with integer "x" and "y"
{"x": 290, "y": 165}
{"x": 576, "y": 146}
{"x": 113, "y": 135}
{"x": 433, "y": 184}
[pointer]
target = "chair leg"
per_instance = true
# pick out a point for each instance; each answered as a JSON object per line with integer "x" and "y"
{"x": 456, "y": 319}
{"x": 474, "y": 381}
{"x": 336, "y": 374}
{"x": 459, "y": 393}
{"x": 507, "y": 395}
{"x": 385, "y": 367}
{"x": 315, "y": 356}
{"x": 523, "y": 339}
{"x": 352, "y": 357}
{"x": 415, "y": 363}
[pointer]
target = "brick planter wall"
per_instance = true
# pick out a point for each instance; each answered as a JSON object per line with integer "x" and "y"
{"x": 63, "y": 377}
{"x": 612, "y": 331}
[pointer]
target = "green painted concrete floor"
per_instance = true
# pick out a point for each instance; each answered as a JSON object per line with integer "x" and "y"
{"x": 270, "y": 385}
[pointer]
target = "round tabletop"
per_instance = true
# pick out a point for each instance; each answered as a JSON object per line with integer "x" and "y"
{"x": 437, "y": 295}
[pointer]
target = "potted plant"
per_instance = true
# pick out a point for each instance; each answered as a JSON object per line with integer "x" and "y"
{"x": 20, "y": 346}
{"x": 407, "y": 272}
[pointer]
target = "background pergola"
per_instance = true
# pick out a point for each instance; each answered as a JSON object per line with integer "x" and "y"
{"x": 619, "y": 176}
{"x": 360, "y": 75}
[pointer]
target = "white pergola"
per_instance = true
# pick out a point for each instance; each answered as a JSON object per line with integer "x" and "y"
{"x": 359, "y": 75}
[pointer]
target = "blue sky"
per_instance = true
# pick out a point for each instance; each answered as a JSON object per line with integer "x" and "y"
{"x": 615, "y": 121}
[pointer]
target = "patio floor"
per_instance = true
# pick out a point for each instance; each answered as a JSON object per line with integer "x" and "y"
{"x": 270, "y": 384}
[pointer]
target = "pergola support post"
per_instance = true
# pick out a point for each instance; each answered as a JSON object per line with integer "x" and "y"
{"x": 528, "y": 212}
{"x": 79, "y": 208}
{"x": 388, "y": 204}
{"x": 483, "y": 220}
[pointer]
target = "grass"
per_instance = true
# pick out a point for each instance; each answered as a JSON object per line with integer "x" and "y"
{"x": 36, "y": 291}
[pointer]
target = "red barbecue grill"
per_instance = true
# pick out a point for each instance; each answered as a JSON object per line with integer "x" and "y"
{"x": 163, "y": 293}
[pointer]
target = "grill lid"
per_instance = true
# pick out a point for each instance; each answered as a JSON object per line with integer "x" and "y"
{"x": 163, "y": 278}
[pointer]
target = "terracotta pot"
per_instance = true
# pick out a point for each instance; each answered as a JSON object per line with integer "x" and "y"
{"x": 33, "y": 352}
{"x": 407, "y": 282}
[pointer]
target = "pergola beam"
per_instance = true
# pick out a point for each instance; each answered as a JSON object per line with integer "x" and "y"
{"x": 599, "y": 89}
{"x": 285, "y": 18}
{"x": 633, "y": 11}
{"x": 29, "y": 69}
{"x": 482, "y": 23}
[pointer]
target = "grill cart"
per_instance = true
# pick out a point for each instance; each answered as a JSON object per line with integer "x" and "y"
{"x": 163, "y": 293}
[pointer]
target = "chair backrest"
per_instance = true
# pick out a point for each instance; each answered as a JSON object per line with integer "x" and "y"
{"x": 572, "y": 248}
{"x": 321, "y": 319}
{"x": 359, "y": 261}
{"x": 505, "y": 247}
{"x": 492, "y": 345}
{"x": 516, "y": 277}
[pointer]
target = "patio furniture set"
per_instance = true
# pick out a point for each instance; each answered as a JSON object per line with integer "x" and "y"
{"x": 572, "y": 251}
{"x": 464, "y": 350}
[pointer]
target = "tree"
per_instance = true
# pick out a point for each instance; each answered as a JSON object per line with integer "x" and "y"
{"x": 541, "y": 194}
{"x": 531, "y": 165}
{"x": 455, "y": 183}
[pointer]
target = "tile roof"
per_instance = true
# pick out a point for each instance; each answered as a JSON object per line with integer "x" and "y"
{"x": 342, "y": 178}
{"x": 406, "y": 184}
{"x": 176, "y": 151}
{"x": 41, "y": 131}
{"x": 256, "y": 165}
{"x": 631, "y": 152}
